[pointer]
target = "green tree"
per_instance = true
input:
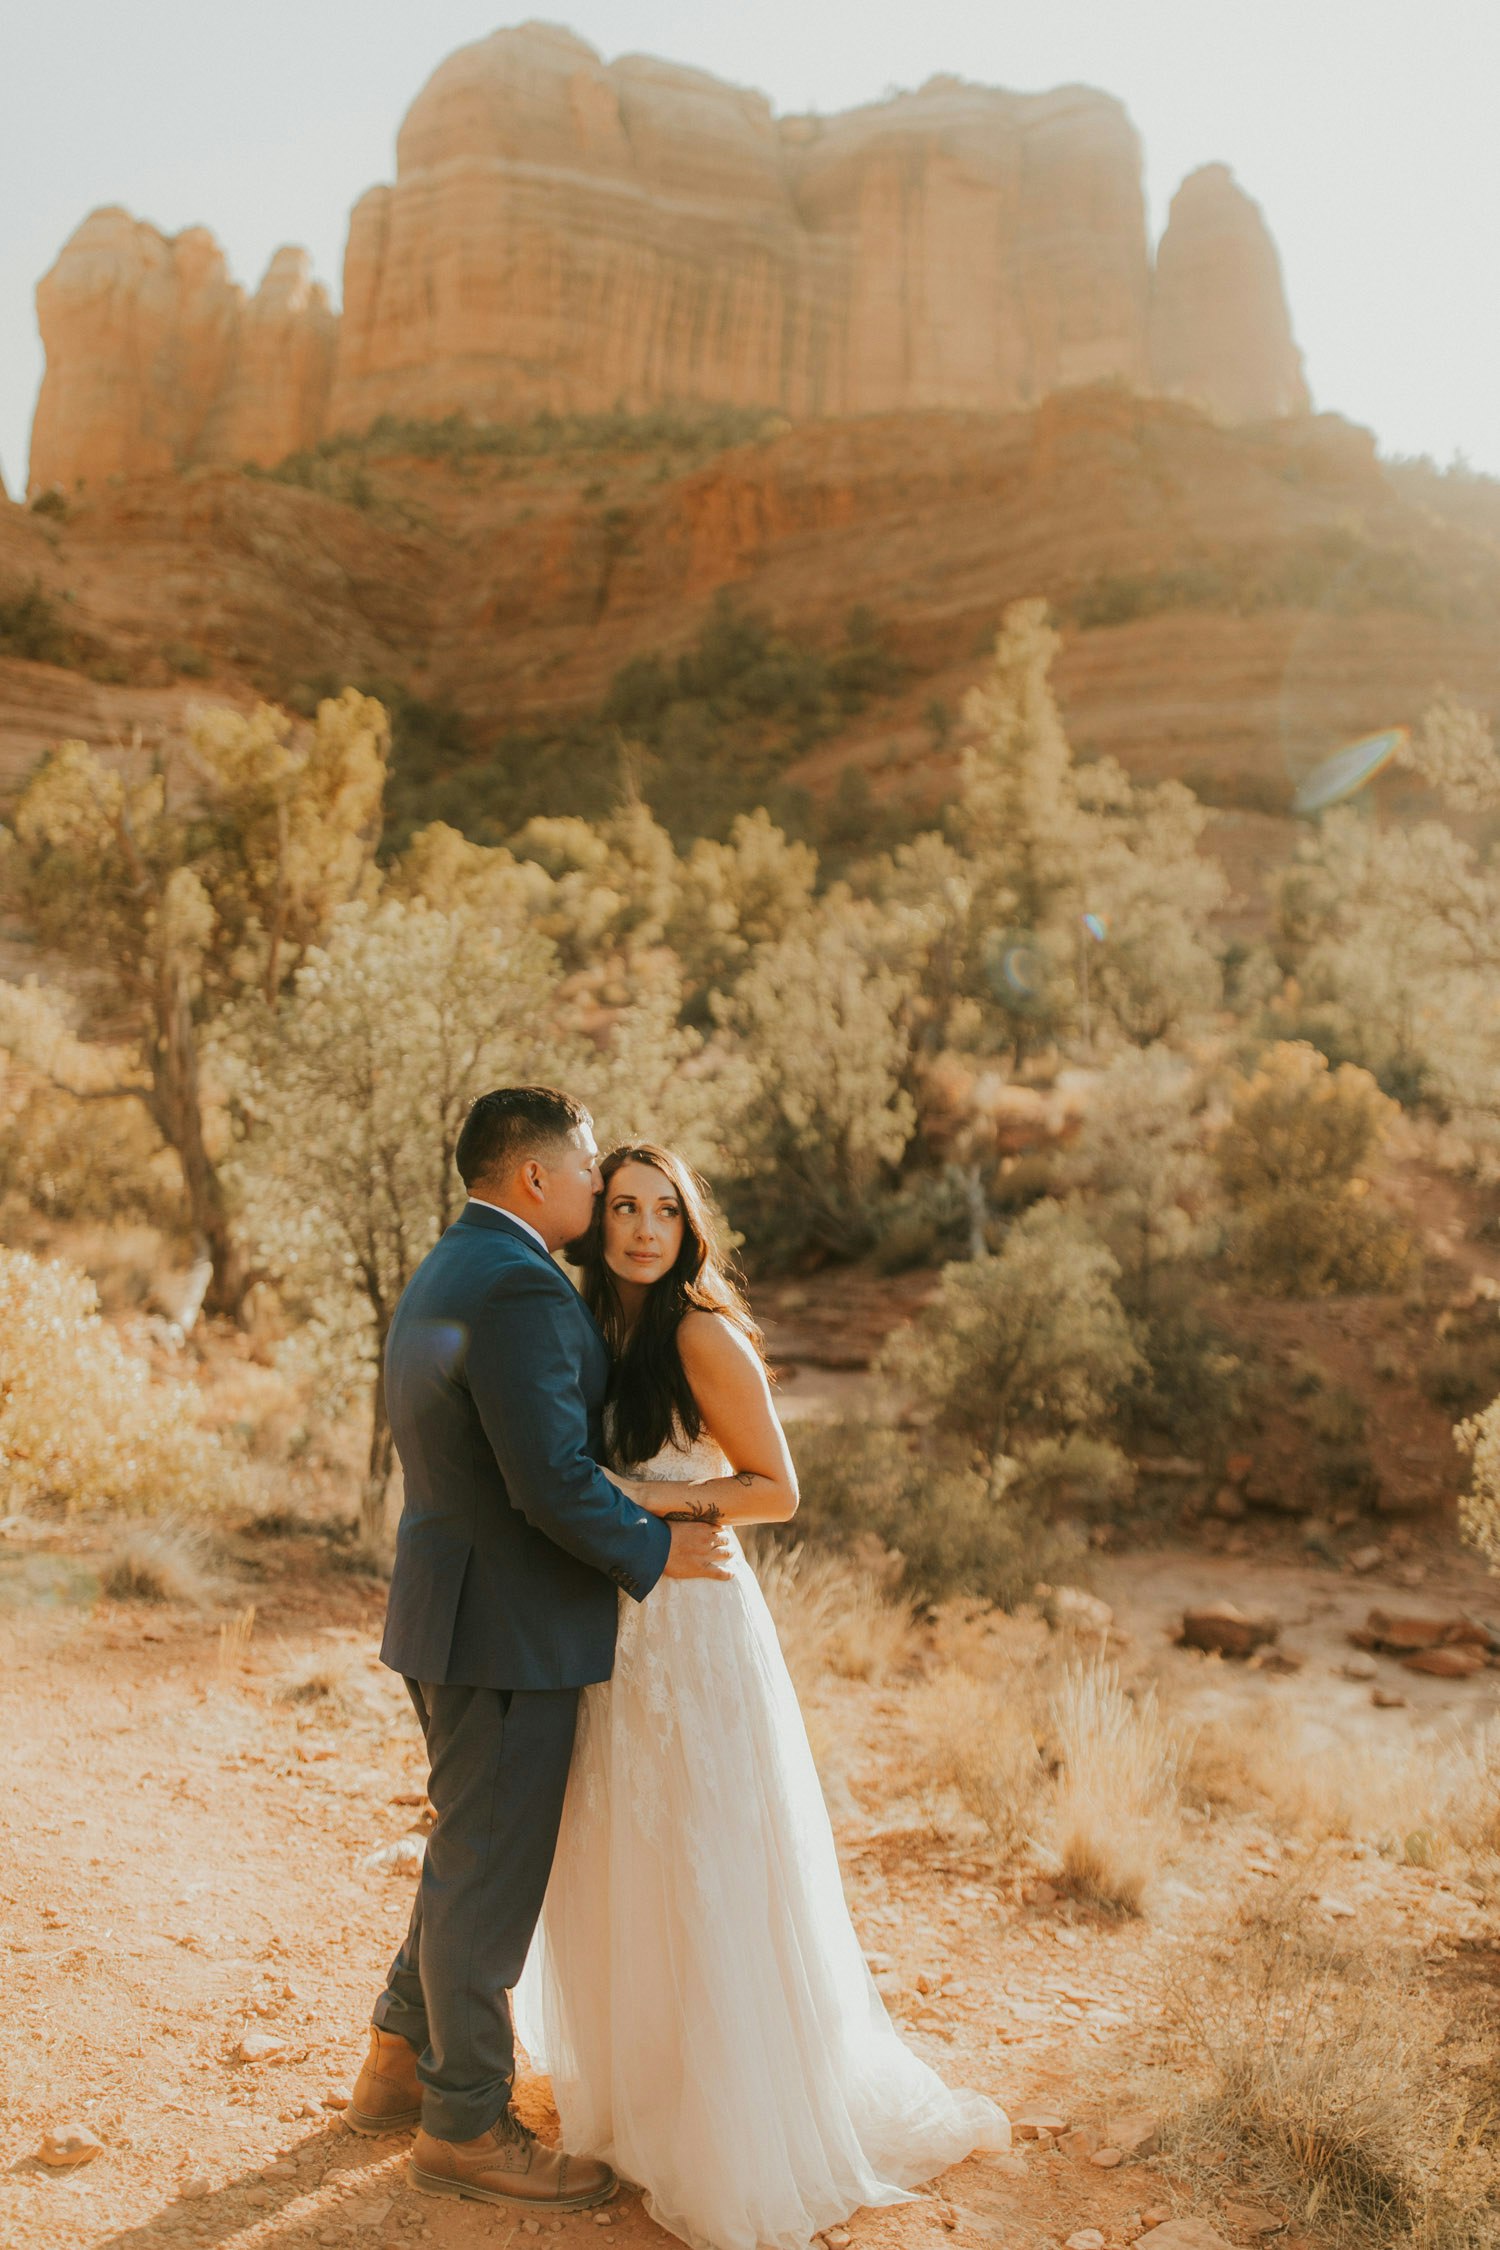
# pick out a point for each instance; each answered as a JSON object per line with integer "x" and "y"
{"x": 171, "y": 895}
{"x": 349, "y": 1098}
{"x": 817, "y": 1016}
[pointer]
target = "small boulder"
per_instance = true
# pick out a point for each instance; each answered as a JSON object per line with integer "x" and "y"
{"x": 1080, "y": 2143}
{"x": 1229, "y": 1504}
{"x": 1087, "y": 2238}
{"x": 67, "y": 2145}
{"x": 1182, "y": 2234}
{"x": 1224, "y": 1629}
{"x": 1107, "y": 2159}
{"x": 1135, "y": 2133}
{"x": 1448, "y": 1663}
{"x": 1031, "y": 2124}
{"x": 196, "y": 2187}
{"x": 1366, "y": 1558}
{"x": 1360, "y": 1667}
{"x": 1387, "y": 1699}
{"x": 260, "y": 2047}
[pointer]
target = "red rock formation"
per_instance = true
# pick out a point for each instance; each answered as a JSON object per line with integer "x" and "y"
{"x": 1221, "y": 334}
{"x": 155, "y": 361}
{"x": 569, "y": 235}
{"x": 566, "y": 234}
{"x": 139, "y": 332}
{"x": 276, "y": 399}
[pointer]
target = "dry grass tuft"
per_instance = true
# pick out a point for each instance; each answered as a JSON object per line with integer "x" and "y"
{"x": 834, "y": 1613}
{"x": 1338, "y": 2082}
{"x": 1430, "y": 1799}
{"x": 1116, "y": 1816}
{"x": 978, "y": 1742}
{"x": 331, "y": 1684}
{"x": 158, "y": 1563}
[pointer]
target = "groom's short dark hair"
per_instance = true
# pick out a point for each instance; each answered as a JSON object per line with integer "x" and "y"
{"x": 513, "y": 1122}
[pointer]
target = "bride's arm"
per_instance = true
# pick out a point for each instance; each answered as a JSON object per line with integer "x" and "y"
{"x": 728, "y": 1380}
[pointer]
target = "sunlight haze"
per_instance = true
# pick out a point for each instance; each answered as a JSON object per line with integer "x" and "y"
{"x": 1366, "y": 135}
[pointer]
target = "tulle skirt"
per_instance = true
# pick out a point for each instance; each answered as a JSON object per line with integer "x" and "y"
{"x": 697, "y": 1993}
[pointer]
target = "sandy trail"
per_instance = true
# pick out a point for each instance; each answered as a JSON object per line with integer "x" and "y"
{"x": 181, "y": 1863}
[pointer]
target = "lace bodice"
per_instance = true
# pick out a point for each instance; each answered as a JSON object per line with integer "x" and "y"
{"x": 684, "y": 1464}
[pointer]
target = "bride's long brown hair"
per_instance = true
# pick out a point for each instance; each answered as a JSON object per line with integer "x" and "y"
{"x": 651, "y": 1398}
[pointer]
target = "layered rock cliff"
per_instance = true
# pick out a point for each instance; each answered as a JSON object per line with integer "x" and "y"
{"x": 569, "y": 235}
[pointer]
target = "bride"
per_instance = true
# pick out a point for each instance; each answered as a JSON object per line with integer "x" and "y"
{"x": 696, "y": 1990}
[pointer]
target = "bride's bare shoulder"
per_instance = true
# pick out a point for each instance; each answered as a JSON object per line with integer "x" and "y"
{"x": 715, "y": 1349}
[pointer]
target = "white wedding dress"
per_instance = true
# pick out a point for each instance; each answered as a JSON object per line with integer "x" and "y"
{"x": 696, "y": 1991}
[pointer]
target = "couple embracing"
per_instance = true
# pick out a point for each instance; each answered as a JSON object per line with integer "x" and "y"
{"x": 630, "y": 1838}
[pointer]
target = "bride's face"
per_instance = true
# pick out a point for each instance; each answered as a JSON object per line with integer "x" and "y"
{"x": 642, "y": 1224}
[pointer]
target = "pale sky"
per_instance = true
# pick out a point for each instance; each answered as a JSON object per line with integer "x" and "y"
{"x": 1365, "y": 128}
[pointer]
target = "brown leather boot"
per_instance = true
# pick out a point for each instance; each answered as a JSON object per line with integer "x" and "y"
{"x": 387, "y": 2097}
{"x": 508, "y": 2164}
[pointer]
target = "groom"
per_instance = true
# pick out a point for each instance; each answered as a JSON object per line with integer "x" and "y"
{"x": 502, "y": 1606}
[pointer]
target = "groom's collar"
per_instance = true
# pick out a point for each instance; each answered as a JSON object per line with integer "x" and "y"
{"x": 483, "y": 1214}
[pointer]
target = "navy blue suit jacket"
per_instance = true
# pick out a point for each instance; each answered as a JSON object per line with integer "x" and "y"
{"x": 512, "y": 1540}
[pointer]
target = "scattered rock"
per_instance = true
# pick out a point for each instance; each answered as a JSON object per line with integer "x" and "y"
{"x": 338, "y": 2097}
{"x": 1229, "y": 1504}
{"x": 1254, "y": 2218}
{"x": 1446, "y": 1663}
{"x": 1402, "y": 1634}
{"x": 1366, "y": 1558}
{"x": 1157, "y": 2216}
{"x": 1081, "y": 2142}
{"x": 371, "y": 2212}
{"x": 1071, "y": 1607}
{"x": 1107, "y": 2159}
{"x": 1182, "y": 2234}
{"x": 838, "y": 2238}
{"x": 1087, "y": 2238}
{"x": 67, "y": 2145}
{"x": 260, "y": 2047}
{"x": 1031, "y": 2124}
{"x": 260, "y": 2198}
{"x": 1238, "y": 1467}
{"x": 1387, "y": 1699}
{"x": 1360, "y": 1667}
{"x": 1009, "y": 2167}
{"x": 1225, "y": 1629}
{"x": 403, "y": 1857}
{"x": 1338, "y": 1909}
{"x": 1272, "y": 1659}
{"x": 193, "y": 2190}
{"x": 1135, "y": 2133}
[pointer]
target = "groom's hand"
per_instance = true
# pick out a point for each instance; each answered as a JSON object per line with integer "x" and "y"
{"x": 699, "y": 1550}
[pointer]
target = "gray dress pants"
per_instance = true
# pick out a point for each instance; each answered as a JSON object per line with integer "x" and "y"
{"x": 498, "y": 1772}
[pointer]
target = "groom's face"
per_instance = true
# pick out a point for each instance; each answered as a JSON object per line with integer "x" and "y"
{"x": 573, "y": 1181}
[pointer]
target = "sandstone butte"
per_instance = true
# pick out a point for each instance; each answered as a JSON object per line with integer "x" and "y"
{"x": 571, "y": 235}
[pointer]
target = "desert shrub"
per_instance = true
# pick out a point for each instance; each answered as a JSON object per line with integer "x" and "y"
{"x": 1028, "y": 1345}
{"x": 1115, "y": 1816}
{"x": 1342, "y": 2084}
{"x": 954, "y": 1531}
{"x": 1479, "y": 1509}
{"x": 57, "y": 1161}
{"x": 32, "y": 626}
{"x": 1292, "y": 1159}
{"x": 924, "y": 1222}
{"x": 163, "y": 1562}
{"x": 83, "y": 1422}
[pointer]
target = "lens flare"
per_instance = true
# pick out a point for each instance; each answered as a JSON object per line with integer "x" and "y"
{"x": 1097, "y": 927}
{"x": 1347, "y": 770}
